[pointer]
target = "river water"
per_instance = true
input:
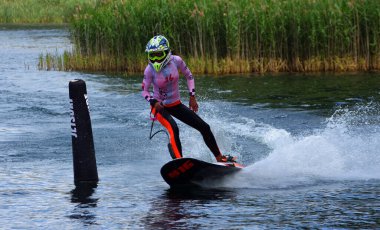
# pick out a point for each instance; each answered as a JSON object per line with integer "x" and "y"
{"x": 310, "y": 144}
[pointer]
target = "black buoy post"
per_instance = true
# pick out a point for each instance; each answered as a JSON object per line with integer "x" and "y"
{"x": 85, "y": 170}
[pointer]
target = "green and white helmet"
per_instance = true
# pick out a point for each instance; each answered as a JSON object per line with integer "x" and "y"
{"x": 158, "y": 50}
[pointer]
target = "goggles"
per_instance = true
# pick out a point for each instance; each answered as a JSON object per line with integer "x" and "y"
{"x": 157, "y": 56}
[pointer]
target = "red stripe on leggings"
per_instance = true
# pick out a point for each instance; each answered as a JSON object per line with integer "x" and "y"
{"x": 167, "y": 125}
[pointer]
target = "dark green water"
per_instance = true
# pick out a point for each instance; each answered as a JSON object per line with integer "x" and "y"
{"x": 307, "y": 91}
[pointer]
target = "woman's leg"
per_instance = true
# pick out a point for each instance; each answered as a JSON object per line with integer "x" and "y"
{"x": 189, "y": 117}
{"x": 168, "y": 122}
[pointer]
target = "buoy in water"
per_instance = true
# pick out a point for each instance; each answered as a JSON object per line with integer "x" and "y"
{"x": 85, "y": 169}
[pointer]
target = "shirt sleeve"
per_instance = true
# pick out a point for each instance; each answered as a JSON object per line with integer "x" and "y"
{"x": 188, "y": 75}
{"x": 147, "y": 81}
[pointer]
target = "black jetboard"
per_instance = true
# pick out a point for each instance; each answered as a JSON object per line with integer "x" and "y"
{"x": 189, "y": 172}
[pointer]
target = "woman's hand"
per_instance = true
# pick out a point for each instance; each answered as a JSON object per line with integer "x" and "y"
{"x": 158, "y": 106}
{"x": 193, "y": 104}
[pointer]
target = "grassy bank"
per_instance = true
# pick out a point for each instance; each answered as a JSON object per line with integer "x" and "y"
{"x": 39, "y": 11}
{"x": 229, "y": 36}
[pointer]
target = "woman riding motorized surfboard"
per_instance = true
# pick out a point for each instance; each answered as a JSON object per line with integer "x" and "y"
{"x": 162, "y": 72}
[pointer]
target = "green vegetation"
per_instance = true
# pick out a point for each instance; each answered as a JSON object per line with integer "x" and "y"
{"x": 39, "y": 11}
{"x": 224, "y": 36}
{"x": 220, "y": 36}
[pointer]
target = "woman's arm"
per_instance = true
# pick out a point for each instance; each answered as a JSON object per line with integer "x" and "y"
{"x": 188, "y": 75}
{"x": 190, "y": 83}
{"x": 147, "y": 81}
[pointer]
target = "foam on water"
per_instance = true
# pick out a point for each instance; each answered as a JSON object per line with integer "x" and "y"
{"x": 345, "y": 148}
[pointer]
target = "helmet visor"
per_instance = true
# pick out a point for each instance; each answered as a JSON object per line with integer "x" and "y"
{"x": 157, "y": 56}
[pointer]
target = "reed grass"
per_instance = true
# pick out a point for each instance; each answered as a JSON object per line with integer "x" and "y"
{"x": 224, "y": 36}
{"x": 52, "y": 62}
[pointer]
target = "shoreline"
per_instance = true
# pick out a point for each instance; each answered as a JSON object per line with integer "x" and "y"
{"x": 226, "y": 66}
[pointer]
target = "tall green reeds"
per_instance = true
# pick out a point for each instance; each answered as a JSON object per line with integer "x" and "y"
{"x": 230, "y": 36}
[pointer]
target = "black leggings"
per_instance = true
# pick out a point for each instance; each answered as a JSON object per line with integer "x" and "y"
{"x": 189, "y": 117}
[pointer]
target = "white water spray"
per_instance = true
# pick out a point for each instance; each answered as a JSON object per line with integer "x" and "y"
{"x": 346, "y": 148}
